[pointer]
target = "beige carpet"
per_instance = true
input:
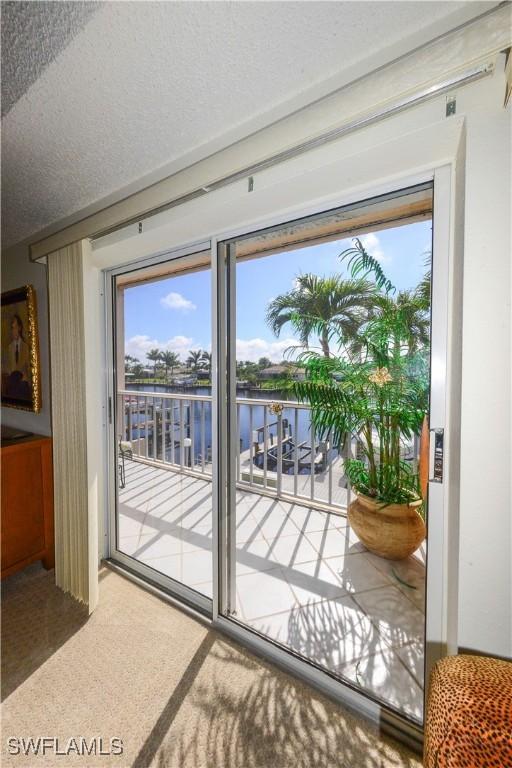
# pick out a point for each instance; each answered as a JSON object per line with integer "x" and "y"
{"x": 177, "y": 693}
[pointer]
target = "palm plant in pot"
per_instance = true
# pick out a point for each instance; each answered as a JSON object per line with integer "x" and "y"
{"x": 374, "y": 393}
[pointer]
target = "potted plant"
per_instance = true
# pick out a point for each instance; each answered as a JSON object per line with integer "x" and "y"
{"x": 374, "y": 394}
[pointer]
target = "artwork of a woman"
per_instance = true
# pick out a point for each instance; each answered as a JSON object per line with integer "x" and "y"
{"x": 18, "y": 362}
{"x": 20, "y": 365}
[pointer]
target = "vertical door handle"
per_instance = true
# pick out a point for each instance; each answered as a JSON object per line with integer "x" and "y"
{"x": 436, "y": 463}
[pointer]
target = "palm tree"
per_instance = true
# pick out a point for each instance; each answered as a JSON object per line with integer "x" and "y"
{"x": 412, "y": 316}
{"x": 408, "y": 309}
{"x": 194, "y": 359}
{"x": 206, "y": 357}
{"x": 423, "y": 288}
{"x": 154, "y": 356}
{"x": 170, "y": 360}
{"x": 321, "y": 305}
{"x": 129, "y": 361}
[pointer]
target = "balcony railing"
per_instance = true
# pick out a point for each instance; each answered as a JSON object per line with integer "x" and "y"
{"x": 278, "y": 453}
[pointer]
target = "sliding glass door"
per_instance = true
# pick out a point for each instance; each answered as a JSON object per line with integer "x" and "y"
{"x": 162, "y": 527}
{"x": 327, "y": 390}
{"x": 270, "y": 404}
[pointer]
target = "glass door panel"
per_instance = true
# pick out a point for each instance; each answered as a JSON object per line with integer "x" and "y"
{"x": 307, "y": 315}
{"x": 163, "y": 423}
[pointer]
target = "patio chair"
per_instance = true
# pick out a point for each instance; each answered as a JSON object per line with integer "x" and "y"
{"x": 125, "y": 448}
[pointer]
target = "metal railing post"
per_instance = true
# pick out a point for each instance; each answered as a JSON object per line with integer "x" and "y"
{"x": 328, "y": 453}
{"x": 296, "y": 453}
{"x": 192, "y": 431}
{"x": 146, "y": 427}
{"x": 279, "y": 452}
{"x": 251, "y": 447}
{"x": 164, "y": 425}
{"x": 265, "y": 446}
{"x": 203, "y": 442}
{"x": 173, "y": 429}
{"x": 182, "y": 435}
{"x": 154, "y": 429}
{"x": 313, "y": 466}
{"x": 238, "y": 443}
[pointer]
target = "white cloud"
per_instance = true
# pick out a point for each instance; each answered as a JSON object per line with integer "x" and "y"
{"x": 177, "y": 301}
{"x": 139, "y": 346}
{"x": 246, "y": 349}
{"x": 253, "y": 349}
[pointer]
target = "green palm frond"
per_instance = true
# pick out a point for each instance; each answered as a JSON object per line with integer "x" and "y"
{"x": 321, "y": 306}
{"x": 349, "y": 400}
{"x": 361, "y": 264}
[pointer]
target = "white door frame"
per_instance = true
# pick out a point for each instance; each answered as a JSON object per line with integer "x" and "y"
{"x": 172, "y": 587}
{"x": 436, "y": 629}
{"x": 437, "y": 625}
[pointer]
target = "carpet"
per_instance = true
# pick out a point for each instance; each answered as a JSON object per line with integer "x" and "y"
{"x": 177, "y": 693}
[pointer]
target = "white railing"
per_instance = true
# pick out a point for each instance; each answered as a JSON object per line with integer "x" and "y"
{"x": 167, "y": 429}
{"x": 279, "y": 454}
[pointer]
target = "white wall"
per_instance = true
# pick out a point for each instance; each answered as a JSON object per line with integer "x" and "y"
{"x": 485, "y": 592}
{"x": 17, "y": 270}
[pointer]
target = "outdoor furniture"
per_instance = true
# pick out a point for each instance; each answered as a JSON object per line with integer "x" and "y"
{"x": 125, "y": 449}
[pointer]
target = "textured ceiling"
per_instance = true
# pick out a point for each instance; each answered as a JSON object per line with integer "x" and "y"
{"x": 100, "y": 97}
{"x": 33, "y": 34}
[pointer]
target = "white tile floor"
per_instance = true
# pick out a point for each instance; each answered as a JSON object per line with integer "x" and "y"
{"x": 302, "y": 578}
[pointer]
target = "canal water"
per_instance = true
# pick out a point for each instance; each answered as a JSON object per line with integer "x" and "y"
{"x": 298, "y": 419}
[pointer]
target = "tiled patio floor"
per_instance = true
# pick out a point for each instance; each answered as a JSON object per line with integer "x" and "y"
{"x": 302, "y": 578}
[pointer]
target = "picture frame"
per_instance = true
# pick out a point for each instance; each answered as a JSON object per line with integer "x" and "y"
{"x": 21, "y": 376}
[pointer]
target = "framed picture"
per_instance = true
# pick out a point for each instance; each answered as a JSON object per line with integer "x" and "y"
{"x": 21, "y": 380}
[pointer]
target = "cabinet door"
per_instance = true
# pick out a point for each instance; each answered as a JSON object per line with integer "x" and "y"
{"x": 22, "y": 505}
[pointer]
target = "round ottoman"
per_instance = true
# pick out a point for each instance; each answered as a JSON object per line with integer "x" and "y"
{"x": 469, "y": 714}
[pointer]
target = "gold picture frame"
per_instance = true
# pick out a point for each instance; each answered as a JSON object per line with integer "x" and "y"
{"x": 21, "y": 376}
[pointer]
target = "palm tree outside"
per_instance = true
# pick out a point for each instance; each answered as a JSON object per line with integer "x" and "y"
{"x": 129, "y": 361}
{"x": 194, "y": 359}
{"x": 337, "y": 303}
{"x": 170, "y": 360}
{"x": 206, "y": 358}
{"x": 154, "y": 356}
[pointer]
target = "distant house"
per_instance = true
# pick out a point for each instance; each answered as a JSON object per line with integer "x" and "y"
{"x": 184, "y": 379}
{"x": 281, "y": 372}
{"x": 274, "y": 372}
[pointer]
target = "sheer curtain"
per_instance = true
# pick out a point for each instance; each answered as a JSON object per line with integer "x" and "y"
{"x": 76, "y": 525}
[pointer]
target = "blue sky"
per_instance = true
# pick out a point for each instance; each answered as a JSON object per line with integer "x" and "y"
{"x": 175, "y": 313}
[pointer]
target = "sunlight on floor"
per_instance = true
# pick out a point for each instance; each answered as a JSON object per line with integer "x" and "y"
{"x": 302, "y": 579}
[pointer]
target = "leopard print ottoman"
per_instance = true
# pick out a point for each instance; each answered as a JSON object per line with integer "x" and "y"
{"x": 469, "y": 714}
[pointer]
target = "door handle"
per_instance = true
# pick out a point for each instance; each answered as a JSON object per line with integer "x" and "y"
{"x": 436, "y": 458}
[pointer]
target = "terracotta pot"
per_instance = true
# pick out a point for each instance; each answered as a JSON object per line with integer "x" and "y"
{"x": 393, "y": 532}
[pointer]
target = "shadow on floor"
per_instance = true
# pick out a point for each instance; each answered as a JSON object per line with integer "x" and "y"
{"x": 249, "y": 714}
{"x": 179, "y": 694}
{"x": 37, "y": 619}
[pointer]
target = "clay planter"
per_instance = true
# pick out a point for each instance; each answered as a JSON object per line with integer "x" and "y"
{"x": 393, "y": 532}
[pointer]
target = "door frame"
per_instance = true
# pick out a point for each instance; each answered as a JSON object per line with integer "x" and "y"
{"x": 437, "y": 640}
{"x": 441, "y": 543}
{"x": 171, "y": 587}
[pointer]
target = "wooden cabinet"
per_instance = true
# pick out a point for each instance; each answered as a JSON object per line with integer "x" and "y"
{"x": 27, "y": 504}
